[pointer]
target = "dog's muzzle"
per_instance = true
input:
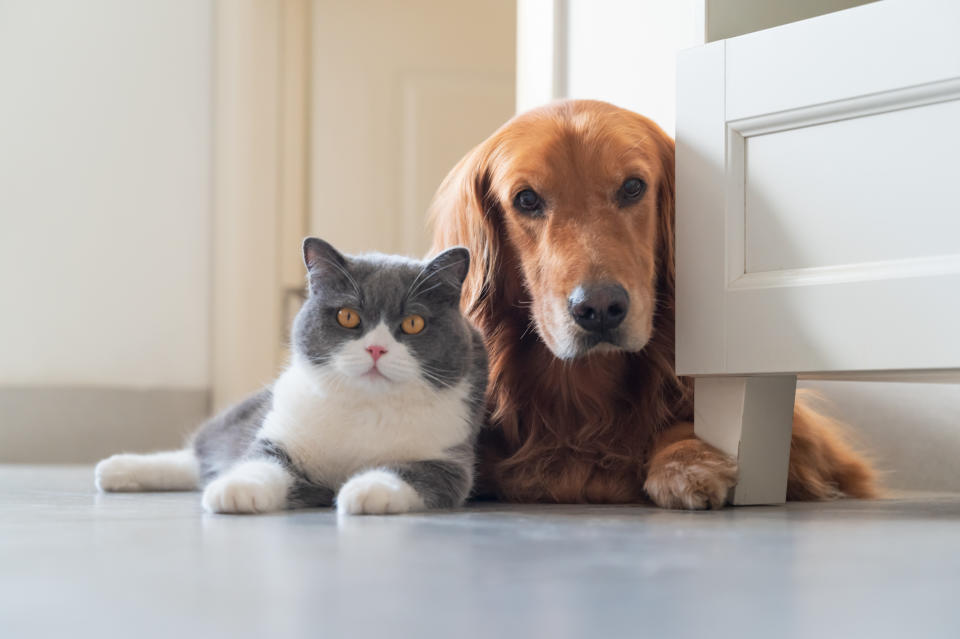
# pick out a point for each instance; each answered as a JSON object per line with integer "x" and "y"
{"x": 599, "y": 308}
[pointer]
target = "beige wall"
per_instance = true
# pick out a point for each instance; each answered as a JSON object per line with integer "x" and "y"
{"x": 640, "y": 76}
{"x": 105, "y": 200}
{"x": 109, "y": 117}
{"x": 104, "y": 192}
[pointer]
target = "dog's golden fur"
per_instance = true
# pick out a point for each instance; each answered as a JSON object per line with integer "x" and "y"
{"x": 610, "y": 422}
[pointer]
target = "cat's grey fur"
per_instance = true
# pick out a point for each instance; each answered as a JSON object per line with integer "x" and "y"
{"x": 256, "y": 443}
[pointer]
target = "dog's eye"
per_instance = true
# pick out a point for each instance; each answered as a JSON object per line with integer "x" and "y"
{"x": 528, "y": 202}
{"x": 632, "y": 189}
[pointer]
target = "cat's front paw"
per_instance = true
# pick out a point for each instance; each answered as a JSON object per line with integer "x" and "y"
{"x": 377, "y": 492}
{"x": 248, "y": 488}
{"x": 118, "y": 473}
{"x": 690, "y": 474}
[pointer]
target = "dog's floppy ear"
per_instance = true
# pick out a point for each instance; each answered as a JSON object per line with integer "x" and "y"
{"x": 465, "y": 213}
{"x": 666, "y": 212}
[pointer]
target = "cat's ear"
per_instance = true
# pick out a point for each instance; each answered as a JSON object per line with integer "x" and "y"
{"x": 451, "y": 266}
{"x": 325, "y": 264}
{"x": 320, "y": 255}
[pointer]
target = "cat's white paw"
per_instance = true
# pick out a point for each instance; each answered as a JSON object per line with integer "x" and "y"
{"x": 249, "y": 487}
{"x": 377, "y": 492}
{"x": 166, "y": 470}
{"x": 118, "y": 473}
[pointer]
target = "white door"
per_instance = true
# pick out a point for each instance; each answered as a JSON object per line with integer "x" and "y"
{"x": 401, "y": 91}
{"x": 818, "y": 205}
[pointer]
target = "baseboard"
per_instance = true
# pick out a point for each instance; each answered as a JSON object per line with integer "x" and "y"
{"x": 81, "y": 425}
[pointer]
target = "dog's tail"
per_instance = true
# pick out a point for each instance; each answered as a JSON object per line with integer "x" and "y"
{"x": 823, "y": 463}
{"x": 167, "y": 470}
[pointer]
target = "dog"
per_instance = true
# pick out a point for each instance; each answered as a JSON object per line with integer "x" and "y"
{"x": 568, "y": 212}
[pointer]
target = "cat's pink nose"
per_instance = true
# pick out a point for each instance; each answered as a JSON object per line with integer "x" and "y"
{"x": 376, "y": 352}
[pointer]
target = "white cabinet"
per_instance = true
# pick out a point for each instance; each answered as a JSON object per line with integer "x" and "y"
{"x": 818, "y": 210}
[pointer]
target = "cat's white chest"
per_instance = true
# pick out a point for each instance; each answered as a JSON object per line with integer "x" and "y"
{"x": 334, "y": 432}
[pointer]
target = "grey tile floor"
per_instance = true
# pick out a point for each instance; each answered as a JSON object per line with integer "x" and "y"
{"x": 74, "y": 564}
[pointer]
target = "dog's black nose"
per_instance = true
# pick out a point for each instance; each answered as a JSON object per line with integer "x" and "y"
{"x": 599, "y": 307}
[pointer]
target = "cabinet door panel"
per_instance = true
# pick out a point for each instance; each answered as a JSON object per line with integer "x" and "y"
{"x": 868, "y": 189}
{"x": 818, "y": 226}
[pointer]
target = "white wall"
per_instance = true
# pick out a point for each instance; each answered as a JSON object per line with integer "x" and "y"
{"x": 105, "y": 142}
{"x": 912, "y": 430}
{"x": 624, "y": 52}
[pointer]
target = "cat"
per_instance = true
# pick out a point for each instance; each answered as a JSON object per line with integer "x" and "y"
{"x": 377, "y": 412}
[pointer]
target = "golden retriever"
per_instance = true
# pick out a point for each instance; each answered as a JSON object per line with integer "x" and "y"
{"x": 568, "y": 211}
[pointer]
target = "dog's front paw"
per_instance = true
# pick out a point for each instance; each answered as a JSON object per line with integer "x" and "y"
{"x": 690, "y": 474}
{"x": 377, "y": 492}
{"x": 251, "y": 487}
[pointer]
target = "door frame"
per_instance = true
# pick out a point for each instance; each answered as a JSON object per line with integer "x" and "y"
{"x": 541, "y": 52}
{"x": 261, "y": 118}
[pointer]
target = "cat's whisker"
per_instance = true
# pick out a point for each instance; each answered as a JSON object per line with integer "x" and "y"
{"x": 441, "y": 376}
{"x": 346, "y": 273}
{"x": 434, "y": 369}
{"x": 413, "y": 291}
{"x": 438, "y": 375}
{"x": 416, "y": 282}
{"x": 434, "y": 378}
{"x": 427, "y": 290}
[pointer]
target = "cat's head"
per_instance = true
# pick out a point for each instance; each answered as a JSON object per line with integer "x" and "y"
{"x": 376, "y": 320}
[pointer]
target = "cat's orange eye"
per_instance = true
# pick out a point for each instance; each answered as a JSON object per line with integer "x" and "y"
{"x": 348, "y": 318}
{"x": 412, "y": 324}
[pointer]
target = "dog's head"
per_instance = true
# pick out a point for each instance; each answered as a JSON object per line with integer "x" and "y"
{"x": 577, "y": 196}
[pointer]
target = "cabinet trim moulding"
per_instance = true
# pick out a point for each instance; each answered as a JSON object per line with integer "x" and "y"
{"x": 737, "y": 133}
{"x": 846, "y": 109}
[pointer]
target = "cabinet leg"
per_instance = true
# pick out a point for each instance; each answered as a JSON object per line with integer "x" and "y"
{"x": 751, "y": 419}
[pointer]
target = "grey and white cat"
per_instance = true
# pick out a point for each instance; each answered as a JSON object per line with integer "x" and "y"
{"x": 377, "y": 412}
